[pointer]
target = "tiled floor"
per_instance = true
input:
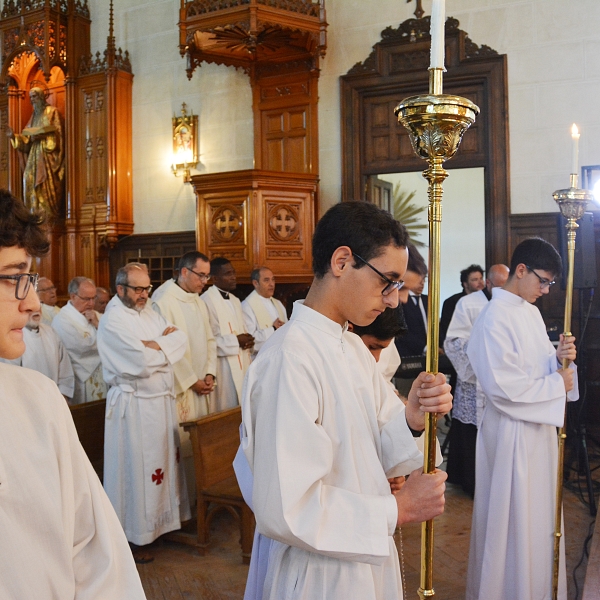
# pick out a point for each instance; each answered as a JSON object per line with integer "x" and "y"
{"x": 179, "y": 572}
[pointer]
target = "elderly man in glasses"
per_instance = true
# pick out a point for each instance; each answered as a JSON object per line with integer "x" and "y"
{"x": 60, "y": 535}
{"x": 143, "y": 476}
{"x": 76, "y": 325}
{"x": 521, "y": 375}
{"x": 322, "y": 431}
{"x": 178, "y": 301}
{"x": 47, "y": 294}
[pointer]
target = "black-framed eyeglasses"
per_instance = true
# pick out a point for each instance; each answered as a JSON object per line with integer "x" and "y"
{"x": 202, "y": 276}
{"x": 544, "y": 283}
{"x": 22, "y": 283}
{"x": 391, "y": 285}
{"x": 138, "y": 289}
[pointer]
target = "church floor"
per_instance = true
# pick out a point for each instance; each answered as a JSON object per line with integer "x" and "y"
{"x": 178, "y": 572}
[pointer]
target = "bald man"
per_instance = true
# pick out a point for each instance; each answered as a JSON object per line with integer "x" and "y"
{"x": 468, "y": 397}
{"x": 102, "y": 299}
{"x": 47, "y": 294}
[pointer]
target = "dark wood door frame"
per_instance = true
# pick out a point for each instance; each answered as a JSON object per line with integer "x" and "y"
{"x": 396, "y": 69}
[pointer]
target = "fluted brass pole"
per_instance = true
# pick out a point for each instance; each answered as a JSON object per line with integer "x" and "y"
{"x": 572, "y": 203}
{"x": 436, "y": 123}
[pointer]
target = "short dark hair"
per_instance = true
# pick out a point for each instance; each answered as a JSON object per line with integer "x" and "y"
{"x": 255, "y": 275}
{"x": 416, "y": 262}
{"x": 21, "y": 228}
{"x": 216, "y": 264}
{"x": 389, "y": 324}
{"x": 536, "y": 253}
{"x": 362, "y": 226}
{"x": 189, "y": 260}
{"x": 464, "y": 274}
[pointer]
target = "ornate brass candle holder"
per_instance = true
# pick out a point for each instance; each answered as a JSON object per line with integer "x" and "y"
{"x": 572, "y": 203}
{"x": 436, "y": 123}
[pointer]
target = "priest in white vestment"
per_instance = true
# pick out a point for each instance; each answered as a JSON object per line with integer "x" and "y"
{"x": 519, "y": 370}
{"x": 47, "y": 294}
{"x": 59, "y": 535}
{"x": 263, "y": 314}
{"x": 76, "y": 325}
{"x": 45, "y": 353}
{"x": 323, "y": 432}
{"x": 178, "y": 301}
{"x": 234, "y": 343}
{"x": 143, "y": 475}
{"x": 469, "y": 399}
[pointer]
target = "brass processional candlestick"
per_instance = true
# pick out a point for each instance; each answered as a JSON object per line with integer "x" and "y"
{"x": 436, "y": 123}
{"x": 572, "y": 203}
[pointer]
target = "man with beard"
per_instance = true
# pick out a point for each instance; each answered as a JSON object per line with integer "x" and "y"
{"x": 234, "y": 343}
{"x": 42, "y": 143}
{"x": 143, "y": 476}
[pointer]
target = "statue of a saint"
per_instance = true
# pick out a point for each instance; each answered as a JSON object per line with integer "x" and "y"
{"x": 41, "y": 142}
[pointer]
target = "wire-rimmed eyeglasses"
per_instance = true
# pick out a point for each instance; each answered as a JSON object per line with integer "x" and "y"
{"x": 22, "y": 283}
{"x": 544, "y": 283}
{"x": 201, "y": 276}
{"x": 391, "y": 285}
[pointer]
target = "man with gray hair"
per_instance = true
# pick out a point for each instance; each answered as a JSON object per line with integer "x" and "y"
{"x": 143, "y": 476}
{"x": 47, "y": 294}
{"x": 263, "y": 314}
{"x": 76, "y": 325}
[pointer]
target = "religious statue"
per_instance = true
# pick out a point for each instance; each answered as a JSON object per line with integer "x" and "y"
{"x": 42, "y": 143}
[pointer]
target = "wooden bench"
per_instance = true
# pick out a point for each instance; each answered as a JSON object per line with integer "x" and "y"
{"x": 89, "y": 422}
{"x": 215, "y": 439}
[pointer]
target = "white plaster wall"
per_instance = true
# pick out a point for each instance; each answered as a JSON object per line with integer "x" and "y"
{"x": 553, "y": 50}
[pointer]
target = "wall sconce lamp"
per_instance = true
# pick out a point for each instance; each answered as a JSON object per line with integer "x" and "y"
{"x": 185, "y": 156}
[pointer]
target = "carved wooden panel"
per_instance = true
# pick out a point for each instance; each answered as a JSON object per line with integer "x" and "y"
{"x": 373, "y": 142}
{"x": 258, "y": 218}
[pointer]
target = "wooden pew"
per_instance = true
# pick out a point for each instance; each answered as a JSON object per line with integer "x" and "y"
{"x": 215, "y": 439}
{"x": 89, "y": 422}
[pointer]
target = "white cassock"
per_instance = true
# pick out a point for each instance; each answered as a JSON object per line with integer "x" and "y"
{"x": 469, "y": 399}
{"x": 79, "y": 338}
{"x": 227, "y": 322}
{"x": 388, "y": 363}
{"x": 322, "y": 432}
{"x": 516, "y": 460}
{"x": 259, "y": 315}
{"x": 187, "y": 312}
{"x": 45, "y": 353}
{"x": 143, "y": 476}
{"x": 48, "y": 313}
{"x": 60, "y": 535}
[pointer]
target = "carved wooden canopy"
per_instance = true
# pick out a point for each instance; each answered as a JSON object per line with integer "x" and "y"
{"x": 241, "y": 33}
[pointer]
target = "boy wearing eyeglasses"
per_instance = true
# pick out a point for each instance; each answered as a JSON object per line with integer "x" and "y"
{"x": 521, "y": 375}
{"x": 322, "y": 431}
{"x": 60, "y": 537}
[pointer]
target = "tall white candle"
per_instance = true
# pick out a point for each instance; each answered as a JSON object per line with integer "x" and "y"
{"x": 438, "y": 19}
{"x": 575, "y": 136}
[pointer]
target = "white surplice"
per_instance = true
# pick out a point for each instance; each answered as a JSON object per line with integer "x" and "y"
{"x": 259, "y": 315}
{"x": 79, "y": 338}
{"x": 388, "y": 363}
{"x": 187, "y": 312}
{"x": 48, "y": 313}
{"x": 227, "y": 322}
{"x": 45, "y": 353}
{"x": 60, "y": 537}
{"x": 469, "y": 399}
{"x": 513, "y": 516}
{"x": 143, "y": 476}
{"x": 322, "y": 432}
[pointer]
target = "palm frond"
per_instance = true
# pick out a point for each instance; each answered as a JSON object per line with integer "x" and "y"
{"x": 407, "y": 213}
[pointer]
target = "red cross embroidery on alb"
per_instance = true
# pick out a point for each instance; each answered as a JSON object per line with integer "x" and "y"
{"x": 158, "y": 476}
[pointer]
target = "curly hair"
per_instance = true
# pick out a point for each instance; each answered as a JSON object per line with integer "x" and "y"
{"x": 21, "y": 228}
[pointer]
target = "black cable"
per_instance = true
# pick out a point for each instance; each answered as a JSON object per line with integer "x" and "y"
{"x": 585, "y": 554}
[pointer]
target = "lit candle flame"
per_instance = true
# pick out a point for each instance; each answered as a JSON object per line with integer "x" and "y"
{"x": 574, "y": 132}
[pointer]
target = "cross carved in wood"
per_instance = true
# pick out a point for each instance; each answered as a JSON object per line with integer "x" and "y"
{"x": 283, "y": 222}
{"x": 228, "y": 223}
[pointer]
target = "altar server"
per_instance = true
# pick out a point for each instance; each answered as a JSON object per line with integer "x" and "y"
{"x": 521, "y": 376}
{"x": 234, "y": 343}
{"x": 142, "y": 472}
{"x": 76, "y": 325}
{"x": 322, "y": 431}
{"x": 45, "y": 353}
{"x": 60, "y": 535}
{"x": 178, "y": 301}
{"x": 263, "y": 314}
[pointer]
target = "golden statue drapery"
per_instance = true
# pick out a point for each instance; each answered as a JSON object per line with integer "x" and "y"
{"x": 41, "y": 142}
